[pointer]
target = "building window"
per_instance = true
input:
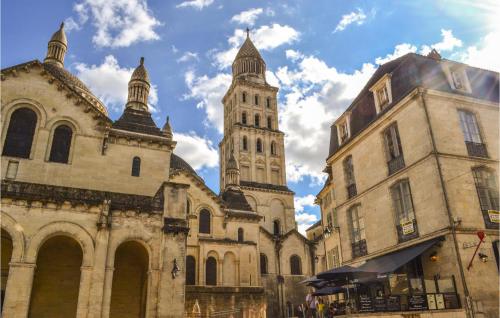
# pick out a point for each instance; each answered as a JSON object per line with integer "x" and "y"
{"x": 190, "y": 270}
{"x": 257, "y": 120}
{"x": 457, "y": 76}
{"x": 269, "y": 122}
{"x": 245, "y": 143}
{"x": 349, "y": 177}
{"x": 405, "y": 217}
{"x": 61, "y": 144}
{"x": 259, "y": 145}
{"x": 276, "y": 227}
{"x": 343, "y": 130}
{"x": 383, "y": 97}
{"x": 393, "y": 149}
{"x": 244, "y": 118}
{"x": 273, "y": 148}
{"x": 211, "y": 272}
{"x": 357, "y": 227}
{"x": 295, "y": 265}
{"x": 256, "y": 100}
{"x": 204, "y": 222}
{"x": 487, "y": 191}
{"x": 188, "y": 206}
{"x": 244, "y": 97}
{"x": 268, "y": 102}
{"x": 20, "y": 133}
{"x": 472, "y": 136}
{"x": 333, "y": 257}
{"x": 263, "y": 263}
{"x": 240, "y": 235}
{"x": 136, "y": 167}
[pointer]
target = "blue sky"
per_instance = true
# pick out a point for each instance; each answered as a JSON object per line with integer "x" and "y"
{"x": 320, "y": 53}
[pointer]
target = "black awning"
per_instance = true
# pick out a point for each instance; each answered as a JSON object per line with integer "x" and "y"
{"x": 329, "y": 291}
{"x": 343, "y": 273}
{"x": 390, "y": 262}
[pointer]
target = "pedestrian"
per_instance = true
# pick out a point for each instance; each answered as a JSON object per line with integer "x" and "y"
{"x": 311, "y": 305}
{"x": 320, "y": 308}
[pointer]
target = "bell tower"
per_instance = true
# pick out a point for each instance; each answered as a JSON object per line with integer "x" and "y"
{"x": 251, "y": 130}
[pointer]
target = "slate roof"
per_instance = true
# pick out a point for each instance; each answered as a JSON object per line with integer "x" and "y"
{"x": 248, "y": 49}
{"x": 407, "y": 73}
{"x": 266, "y": 186}
{"x": 139, "y": 121}
{"x": 235, "y": 200}
{"x": 177, "y": 163}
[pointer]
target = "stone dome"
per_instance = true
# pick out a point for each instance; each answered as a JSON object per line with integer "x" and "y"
{"x": 60, "y": 36}
{"x": 140, "y": 73}
{"x": 177, "y": 163}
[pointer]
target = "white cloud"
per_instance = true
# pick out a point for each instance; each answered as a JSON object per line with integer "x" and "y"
{"x": 358, "y": 17}
{"x": 265, "y": 38}
{"x": 247, "y": 17}
{"x": 304, "y": 221}
{"x": 196, "y": 4}
{"x": 109, "y": 82}
{"x": 485, "y": 53}
{"x": 301, "y": 202}
{"x": 448, "y": 43}
{"x": 209, "y": 92}
{"x": 70, "y": 24}
{"x": 118, "y": 23}
{"x": 188, "y": 56}
{"x": 198, "y": 151}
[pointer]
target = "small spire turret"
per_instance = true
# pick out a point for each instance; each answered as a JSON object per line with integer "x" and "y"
{"x": 232, "y": 172}
{"x": 57, "y": 48}
{"x": 138, "y": 88}
{"x": 167, "y": 129}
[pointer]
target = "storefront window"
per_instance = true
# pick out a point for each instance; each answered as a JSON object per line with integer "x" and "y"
{"x": 398, "y": 284}
{"x": 446, "y": 285}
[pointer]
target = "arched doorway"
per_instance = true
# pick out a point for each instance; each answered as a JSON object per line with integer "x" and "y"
{"x": 57, "y": 278}
{"x": 130, "y": 281}
{"x": 6, "y": 249}
{"x": 211, "y": 272}
{"x": 190, "y": 270}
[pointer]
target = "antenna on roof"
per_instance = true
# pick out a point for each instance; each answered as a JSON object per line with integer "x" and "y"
{"x": 248, "y": 32}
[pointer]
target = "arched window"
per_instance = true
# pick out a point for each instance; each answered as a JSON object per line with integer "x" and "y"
{"x": 295, "y": 265}
{"x": 259, "y": 145}
{"x": 20, "y": 133}
{"x": 244, "y": 118}
{"x": 273, "y": 148}
{"x": 245, "y": 143}
{"x": 256, "y": 100}
{"x": 190, "y": 270}
{"x": 257, "y": 120}
{"x": 244, "y": 97}
{"x": 136, "y": 167}
{"x": 204, "y": 222}
{"x": 263, "y": 263}
{"x": 269, "y": 122}
{"x": 268, "y": 102}
{"x": 240, "y": 235}
{"x": 61, "y": 144}
{"x": 188, "y": 206}
{"x": 276, "y": 227}
{"x": 211, "y": 272}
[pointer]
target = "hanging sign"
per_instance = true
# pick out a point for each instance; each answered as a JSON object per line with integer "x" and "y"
{"x": 407, "y": 227}
{"x": 494, "y": 216}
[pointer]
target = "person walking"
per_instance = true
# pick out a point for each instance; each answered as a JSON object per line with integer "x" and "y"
{"x": 311, "y": 305}
{"x": 320, "y": 308}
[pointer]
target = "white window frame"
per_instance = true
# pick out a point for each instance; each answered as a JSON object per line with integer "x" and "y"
{"x": 452, "y": 70}
{"x": 344, "y": 121}
{"x": 384, "y": 83}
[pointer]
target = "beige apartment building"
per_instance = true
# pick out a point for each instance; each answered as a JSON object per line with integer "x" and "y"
{"x": 412, "y": 186}
{"x": 101, "y": 218}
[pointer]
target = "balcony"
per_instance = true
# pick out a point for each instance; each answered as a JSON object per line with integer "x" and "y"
{"x": 351, "y": 191}
{"x": 359, "y": 249}
{"x": 396, "y": 164}
{"x": 475, "y": 149}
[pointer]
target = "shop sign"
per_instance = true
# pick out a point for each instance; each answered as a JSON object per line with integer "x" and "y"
{"x": 431, "y": 301}
{"x": 439, "y": 301}
{"x": 379, "y": 303}
{"x": 417, "y": 302}
{"x": 365, "y": 304}
{"x": 407, "y": 227}
{"x": 494, "y": 216}
{"x": 394, "y": 303}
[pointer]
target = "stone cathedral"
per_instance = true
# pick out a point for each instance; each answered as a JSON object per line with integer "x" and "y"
{"x": 100, "y": 217}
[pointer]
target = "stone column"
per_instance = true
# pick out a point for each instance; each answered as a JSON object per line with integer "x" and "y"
{"x": 108, "y": 284}
{"x": 238, "y": 280}
{"x": 220, "y": 263}
{"x": 83, "y": 293}
{"x": 98, "y": 274}
{"x": 18, "y": 291}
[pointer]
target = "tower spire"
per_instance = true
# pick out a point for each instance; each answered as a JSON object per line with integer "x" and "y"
{"x": 232, "y": 172}
{"x": 57, "y": 47}
{"x": 248, "y": 33}
{"x": 138, "y": 88}
{"x": 248, "y": 63}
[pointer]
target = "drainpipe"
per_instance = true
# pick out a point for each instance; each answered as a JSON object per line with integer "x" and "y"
{"x": 468, "y": 306}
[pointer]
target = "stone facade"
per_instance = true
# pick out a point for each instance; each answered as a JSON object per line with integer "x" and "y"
{"x": 436, "y": 161}
{"x": 131, "y": 229}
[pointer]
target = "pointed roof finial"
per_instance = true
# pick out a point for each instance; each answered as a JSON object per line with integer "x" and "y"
{"x": 167, "y": 128}
{"x": 62, "y": 26}
{"x": 248, "y": 32}
{"x": 142, "y": 60}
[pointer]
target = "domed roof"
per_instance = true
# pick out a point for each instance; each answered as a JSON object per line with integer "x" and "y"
{"x": 140, "y": 73}
{"x": 74, "y": 82}
{"x": 177, "y": 163}
{"x": 60, "y": 36}
{"x": 248, "y": 49}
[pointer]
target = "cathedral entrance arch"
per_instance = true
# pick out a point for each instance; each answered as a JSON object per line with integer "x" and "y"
{"x": 130, "y": 281}
{"x": 57, "y": 278}
{"x": 6, "y": 249}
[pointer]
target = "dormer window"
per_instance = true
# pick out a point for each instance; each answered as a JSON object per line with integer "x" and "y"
{"x": 343, "y": 128}
{"x": 457, "y": 77}
{"x": 382, "y": 93}
{"x": 458, "y": 81}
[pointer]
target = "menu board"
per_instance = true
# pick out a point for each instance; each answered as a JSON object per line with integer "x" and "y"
{"x": 450, "y": 301}
{"x": 393, "y": 303}
{"x": 379, "y": 304}
{"x": 417, "y": 302}
{"x": 439, "y": 301}
{"x": 431, "y": 301}
{"x": 365, "y": 304}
